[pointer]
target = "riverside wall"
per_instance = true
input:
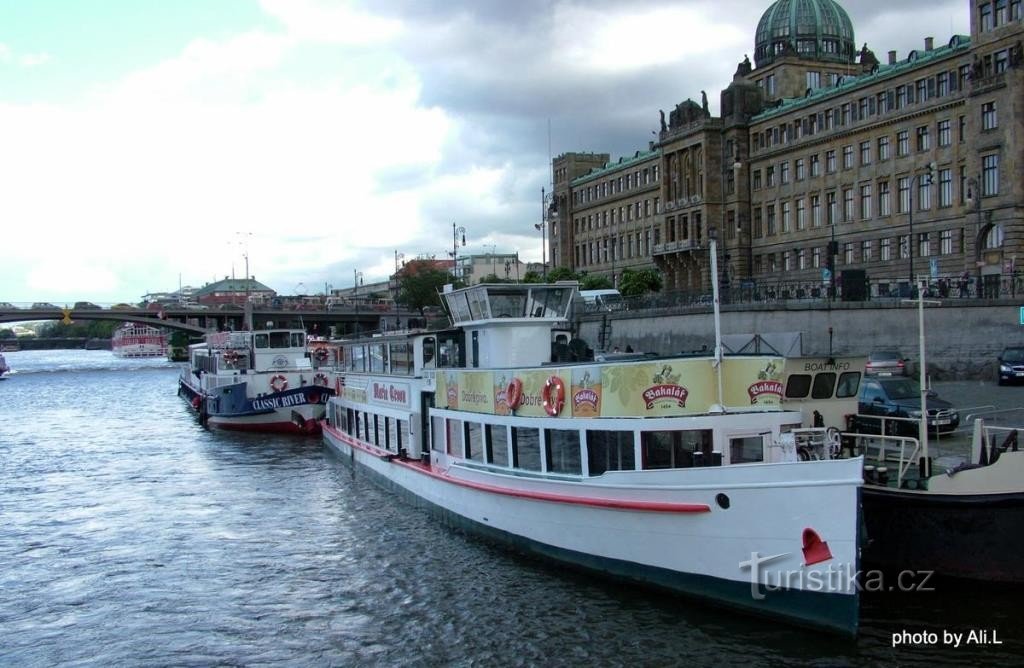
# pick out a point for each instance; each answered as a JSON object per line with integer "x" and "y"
{"x": 962, "y": 340}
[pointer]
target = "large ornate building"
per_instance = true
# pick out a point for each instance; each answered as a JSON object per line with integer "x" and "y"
{"x": 825, "y": 163}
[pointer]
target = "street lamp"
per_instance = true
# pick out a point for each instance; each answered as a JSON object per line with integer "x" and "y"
{"x": 930, "y": 176}
{"x": 542, "y": 228}
{"x": 974, "y": 200}
{"x": 456, "y": 231}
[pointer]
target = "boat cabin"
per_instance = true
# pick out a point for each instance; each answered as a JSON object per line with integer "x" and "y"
{"x": 263, "y": 350}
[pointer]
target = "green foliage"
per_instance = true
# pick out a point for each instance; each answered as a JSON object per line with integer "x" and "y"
{"x": 7, "y": 333}
{"x": 493, "y": 278}
{"x": 635, "y": 283}
{"x": 562, "y": 274}
{"x": 89, "y": 329}
{"x": 595, "y": 282}
{"x": 533, "y": 277}
{"x": 419, "y": 284}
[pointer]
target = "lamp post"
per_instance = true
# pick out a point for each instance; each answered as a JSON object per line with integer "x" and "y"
{"x": 915, "y": 178}
{"x": 974, "y": 200}
{"x": 456, "y": 231}
{"x": 542, "y": 227}
{"x": 357, "y": 278}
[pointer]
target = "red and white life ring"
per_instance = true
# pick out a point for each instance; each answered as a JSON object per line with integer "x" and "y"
{"x": 514, "y": 394}
{"x": 196, "y": 401}
{"x": 553, "y": 395}
{"x": 321, "y": 380}
{"x": 230, "y": 356}
{"x": 320, "y": 354}
{"x": 278, "y": 383}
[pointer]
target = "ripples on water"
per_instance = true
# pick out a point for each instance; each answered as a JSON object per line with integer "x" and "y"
{"x": 131, "y": 536}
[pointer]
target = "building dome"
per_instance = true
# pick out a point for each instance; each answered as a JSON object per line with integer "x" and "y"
{"x": 810, "y": 29}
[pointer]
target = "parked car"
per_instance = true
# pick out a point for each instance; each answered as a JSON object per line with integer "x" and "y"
{"x": 1011, "y": 365}
{"x": 86, "y": 305}
{"x": 900, "y": 398}
{"x": 122, "y": 307}
{"x": 43, "y": 305}
{"x": 886, "y": 363}
{"x": 8, "y": 306}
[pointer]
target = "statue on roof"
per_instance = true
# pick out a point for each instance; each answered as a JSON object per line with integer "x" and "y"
{"x": 744, "y": 67}
{"x": 867, "y": 56}
{"x": 662, "y": 112}
{"x": 704, "y": 103}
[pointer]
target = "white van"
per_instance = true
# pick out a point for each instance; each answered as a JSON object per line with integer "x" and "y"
{"x": 602, "y": 300}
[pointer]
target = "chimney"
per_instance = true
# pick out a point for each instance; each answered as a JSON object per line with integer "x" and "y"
{"x": 929, "y": 43}
{"x": 892, "y": 57}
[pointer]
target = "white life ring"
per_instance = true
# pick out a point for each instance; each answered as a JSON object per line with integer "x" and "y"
{"x": 321, "y": 380}
{"x": 278, "y": 383}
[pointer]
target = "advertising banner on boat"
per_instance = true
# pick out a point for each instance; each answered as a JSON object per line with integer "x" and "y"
{"x": 752, "y": 381}
{"x": 390, "y": 393}
{"x": 661, "y": 388}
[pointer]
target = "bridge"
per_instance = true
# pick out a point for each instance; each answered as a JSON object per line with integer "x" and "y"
{"x": 345, "y": 320}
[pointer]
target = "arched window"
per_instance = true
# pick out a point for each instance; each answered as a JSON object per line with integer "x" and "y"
{"x": 994, "y": 238}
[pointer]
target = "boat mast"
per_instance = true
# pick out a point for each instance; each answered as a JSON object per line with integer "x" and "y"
{"x": 713, "y": 249}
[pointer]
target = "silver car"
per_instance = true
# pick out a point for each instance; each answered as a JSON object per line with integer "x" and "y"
{"x": 886, "y": 363}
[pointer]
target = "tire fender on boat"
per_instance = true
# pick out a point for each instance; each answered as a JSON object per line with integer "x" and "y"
{"x": 278, "y": 383}
{"x": 553, "y": 395}
{"x": 514, "y": 394}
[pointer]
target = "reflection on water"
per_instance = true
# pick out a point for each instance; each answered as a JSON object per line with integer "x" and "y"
{"x": 130, "y": 535}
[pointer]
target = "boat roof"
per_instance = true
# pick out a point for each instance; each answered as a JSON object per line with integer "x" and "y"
{"x": 496, "y": 302}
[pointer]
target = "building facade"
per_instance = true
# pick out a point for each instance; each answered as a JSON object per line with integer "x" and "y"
{"x": 824, "y": 164}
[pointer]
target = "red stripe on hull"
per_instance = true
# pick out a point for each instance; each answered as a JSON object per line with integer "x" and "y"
{"x": 284, "y": 427}
{"x": 618, "y": 504}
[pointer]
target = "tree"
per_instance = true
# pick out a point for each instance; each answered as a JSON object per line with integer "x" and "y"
{"x": 595, "y": 282}
{"x": 493, "y": 278}
{"x": 635, "y": 283}
{"x": 562, "y": 274}
{"x": 419, "y": 284}
{"x": 533, "y": 277}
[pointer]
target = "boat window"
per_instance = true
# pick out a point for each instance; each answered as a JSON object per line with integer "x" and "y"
{"x": 459, "y": 305}
{"x": 396, "y": 437}
{"x": 497, "y": 444}
{"x": 261, "y": 341}
{"x": 507, "y": 304}
{"x": 549, "y": 303}
{"x": 381, "y": 423}
{"x": 279, "y": 340}
{"x": 401, "y": 358}
{"x": 350, "y": 421}
{"x": 746, "y": 449}
{"x": 449, "y": 353}
{"x": 675, "y": 449}
{"x": 429, "y": 347}
{"x": 455, "y": 438}
{"x": 478, "y": 305}
{"x": 378, "y": 357}
{"x": 610, "y": 451}
{"x": 824, "y": 383}
{"x": 849, "y": 384}
{"x": 798, "y": 385}
{"x": 298, "y": 340}
{"x": 437, "y": 439}
{"x": 563, "y": 452}
{"x": 361, "y": 426}
{"x": 474, "y": 441}
{"x": 526, "y": 448}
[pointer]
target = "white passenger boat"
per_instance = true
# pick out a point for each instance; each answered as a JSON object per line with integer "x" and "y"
{"x": 3, "y": 366}
{"x": 135, "y": 340}
{"x": 256, "y": 381}
{"x": 682, "y": 473}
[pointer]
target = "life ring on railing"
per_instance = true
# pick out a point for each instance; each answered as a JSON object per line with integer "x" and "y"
{"x": 553, "y": 395}
{"x": 321, "y": 380}
{"x": 230, "y": 356}
{"x": 196, "y": 401}
{"x": 320, "y": 354}
{"x": 279, "y": 383}
{"x": 514, "y": 393}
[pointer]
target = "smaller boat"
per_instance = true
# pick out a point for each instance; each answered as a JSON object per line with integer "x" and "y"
{"x": 135, "y": 340}
{"x": 3, "y": 366}
{"x": 256, "y": 381}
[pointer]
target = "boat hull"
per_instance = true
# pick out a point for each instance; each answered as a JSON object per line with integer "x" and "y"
{"x": 972, "y": 536}
{"x": 681, "y": 539}
{"x": 294, "y": 411}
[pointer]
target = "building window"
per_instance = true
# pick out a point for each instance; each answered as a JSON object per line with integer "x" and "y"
{"x": 865, "y": 153}
{"x": 885, "y": 250}
{"x": 813, "y": 79}
{"x": 961, "y": 129}
{"x": 815, "y": 211}
{"x": 830, "y": 161}
{"x": 924, "y": 193}
{"x": 884, "y": 199}
{"x": 815, "y": 165}
{"x": 946, "y": 242}
{"x": 801, "y": 258}
{"x": 847, "y": 205}
{"x": 787, "y": 261}
{"x": 904, "y": 246}
{"x": 865, "y": 250}
{"x": 830, "y": 208}
{"x": 901, "y": 97}
{"x": 985, "y": 16}
{"x": 924, "y": 142}
{"x": 989, "y": 175}
{"x": 903, "y": 194}
{"x": 924, "y": 246}
{"x": 883, "y": 148}
{"x": 1015, "y": 10}
{"x": 771, "y": 220}
{"x": 769, "y": 176}
{"x": 945, "y": 133}
{"x": 757, "y": 179}
{"x": 1001, "y": 14}
{"x": 784, "y": 172}
{"x": 848, "y": 253}
{"x": 942, "y": 84}
{"x": 945, "y": 188}
{"x": 758, "y": 223}
{"x": 801, "y": 215}
{"x": 800, "y": 171}
{"x": 865, "y": 201}
{"x": 988, "y": 116}
{"x": 922, "y": 90}
{"x": 785, "y": 218}
{"x": 847, "y": 157}
{"x": 816, "y": 258}
{"x": 902, "y": 143}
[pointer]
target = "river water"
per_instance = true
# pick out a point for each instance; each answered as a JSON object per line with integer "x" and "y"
{"x": 129, "y": 535}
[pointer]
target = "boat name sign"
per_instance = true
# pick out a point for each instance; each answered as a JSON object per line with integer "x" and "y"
{"x": 395, "y": 394}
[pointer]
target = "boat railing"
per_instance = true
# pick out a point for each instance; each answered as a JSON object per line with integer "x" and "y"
{"x": 884, "y": 447}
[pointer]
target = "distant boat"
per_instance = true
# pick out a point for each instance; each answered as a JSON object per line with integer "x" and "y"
{"x": 3, "y": 366}
{"x": 134, "y": 340}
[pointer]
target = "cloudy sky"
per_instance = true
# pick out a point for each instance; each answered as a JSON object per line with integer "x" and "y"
{"x": 146, "y": 142}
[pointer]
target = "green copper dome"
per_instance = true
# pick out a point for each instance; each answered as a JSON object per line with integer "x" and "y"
{"x": 811, "y": 29}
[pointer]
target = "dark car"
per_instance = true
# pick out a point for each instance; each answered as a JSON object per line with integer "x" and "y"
{"x": 1011, "y": 365}
{"x": 886, "y": 363}
{"x": 900, "y": 398}
{"x": 86, "y": 305}
{"x": 43, "y": 305}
